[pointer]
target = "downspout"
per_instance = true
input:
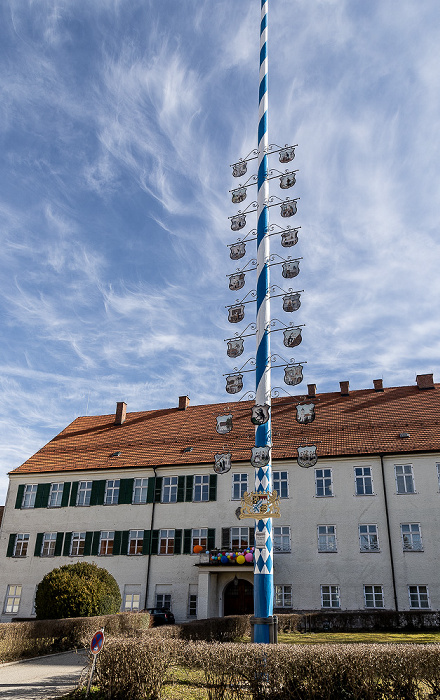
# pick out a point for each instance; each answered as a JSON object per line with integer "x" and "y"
{"x": 151, "y": 531}
{"x": 393, "y": 576}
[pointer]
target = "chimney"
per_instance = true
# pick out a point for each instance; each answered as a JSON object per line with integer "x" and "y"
{"x": 183, "y": 403}
{"x": 344, "y": 388}
{"x": 311, "y": 390}
{"x": 121, "y": 412}
{"x": 378, "y": 384}
{"x": 425, "y": 381}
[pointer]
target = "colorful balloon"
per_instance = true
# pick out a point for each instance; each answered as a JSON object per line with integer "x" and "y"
{"x": 240, "y": 559}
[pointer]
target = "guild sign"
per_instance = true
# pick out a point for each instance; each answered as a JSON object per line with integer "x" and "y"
{"x": 224, "y": 424}
{"x": 239, "y": 169}
{"x": 292, "y": 337}
{"x": 307, "y": 456}
{"x": 236, "y": 281}
{"x": 239, "y": 195}
{"x": 235, "y": 347}
{"x": 287, "y": 154}
{"x": 260, "y": 414}
{"x": 260, "y": 456}
{"x": 236, "y": 313}
{"x": 293, "y": 375}
{"x": 291, "y": 302}
{"x": 287, "y": 209}
{"x": 234, "y": 383}
{"x": 260, "y": 503}
{"x": 239, "y": 221}
{"x": 305, "y": 413}
{"x": 290, "y": 269}
{"x": 237, "y": 251}
{"x": 222, "y": 462}
{"x": 287, "y": 181}
{"x": 289, "y": 238}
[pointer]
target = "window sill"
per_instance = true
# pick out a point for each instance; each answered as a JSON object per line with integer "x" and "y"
{"x": 369, "y": 551}
{"x": 327, "y": 551}
{"x": 361, "y": 495}
{"x": 413, "y": 551}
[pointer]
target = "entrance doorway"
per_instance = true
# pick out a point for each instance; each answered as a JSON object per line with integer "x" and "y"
{"x": 239, "y": 597}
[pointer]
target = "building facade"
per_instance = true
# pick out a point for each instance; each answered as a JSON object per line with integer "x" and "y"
{"x": 137, "y": 494}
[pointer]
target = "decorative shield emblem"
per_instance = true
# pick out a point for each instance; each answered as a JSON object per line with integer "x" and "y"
{"x": 239, "y": 169}
{"x": 287, "y": 209}
{"x": 287, "y": 154}
{"x": 307, "y": 456}
{"x": 236, "y": 313}
{"x": 260, "y": 456}
{"x": 291, "y": 302}
{"x": 235, "y": 347}
{"x": 234, "y": 383}
{"x": 290, "y": 269}
{"x": 292, "y": 337}
{"x": 289, "y": 238}
{"x": 260, "y": 414}
{"x": 239, "y": 195}
{"x": 239, "y": 221}
{"x": 286, "y": 181}
{"x": 305, "y": 413}
{"x": 222, "y": 462}
{"x": 237, "y": 251}
{"x": 224, "y": 424}
{"x": 293, "y": 375}
{"x": 236, "y": 281}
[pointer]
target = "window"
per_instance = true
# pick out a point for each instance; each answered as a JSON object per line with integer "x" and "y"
{"x": 169, "y": 489}
{"x": 201, "y": 488}
{"x": 418, "y": 597}
{"x": 140, "y": 489}
{"x": 327, "y": 538}
{"x": 77, "y": 544}
{"x": 111, "y": 492}
{"x": 55, "y": 495}
{"x": 404, "y": 478}
{"x": 131, "y": 602}
{"x": 363, "y": 481}
{"x": 136, "y": 541}
{"x": 239, "y": 537}
{"x": 368, "y": 538}
{"x": 283, "y": 596}
{"x": 281, "y": 484}
{"x": 12, "y": 600}
{"x": 411, "y": 537}
{"x": 48, "y": 544}
{"x": 330, "y": 597}
{"x": 192, "y": 605}
{"x": 29, "y": 493}
{"x": 239, "y": 486}
{"x": 199, "y": 537}
{"x": 281, "y": 538}
{"x": 323, "y": 482}
{"x": 84, "y": 493}
{"x": 373, "y": 596}
{"x": 21, "y": 545}
{"x": 106, "y": 542}
{"x": 166, "y": 542}
{"x": 163, "y": 600}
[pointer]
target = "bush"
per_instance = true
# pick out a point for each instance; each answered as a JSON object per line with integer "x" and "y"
{"x": 77, "y": 590}
{"x": 217, "y": 629}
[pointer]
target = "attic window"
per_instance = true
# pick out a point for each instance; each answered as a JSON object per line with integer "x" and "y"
{"x": 404, "y": 435}
{"x": 187, "y": 449}
{"x": 115, "y": 454}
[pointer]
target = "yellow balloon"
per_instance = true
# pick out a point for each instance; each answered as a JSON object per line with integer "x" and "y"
{"x": 240, "y": 559}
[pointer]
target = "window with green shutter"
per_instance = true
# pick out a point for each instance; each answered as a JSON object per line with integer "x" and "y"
{"x": 73, "y": 493}
{"x": 213, "y": 487}
{"x": 177, "y": 541}
{"x": 59, "y": 544}
{"x": 146, "y": 549}
{"x": 67, "y": 543}
{"x": 66, "y": 494}
{"x": 187, "y": 541}
{"x": 38, "y": 543}
{"x": 158, "y": 489}
{"x": 211, "y": 538}
{"x": 19, "y": 499}
{"x": 189, "y": 488}
{"x": 180, "y": 489}
{"x": 124, "y": 541}
{"x": 98, "y": 492}
{"x": 11, "y": 545}
{"x": 95, "y": 543}
{"x": 88, "y": 544}
{"x": 125, "y": 491}
{"x": 117, "y": 542}
{"x": 42, "y": 497}
{"x": 155, "y": 542}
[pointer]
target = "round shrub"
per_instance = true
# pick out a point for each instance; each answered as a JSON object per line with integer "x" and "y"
{"x": 77, "y": 590}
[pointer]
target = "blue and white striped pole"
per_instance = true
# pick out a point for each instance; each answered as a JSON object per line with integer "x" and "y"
{"x": 263, "y": 566}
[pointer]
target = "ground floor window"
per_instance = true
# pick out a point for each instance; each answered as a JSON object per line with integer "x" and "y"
{"x": 373, "y": 596}
{"x": 283, "y": 596}
{"x": 418, "y": 597}
{"x": 163, "y": 600}
{"x": 12, "y": 600}
{"x": 131, "y": 602}
{"x": 330, "y": 597}
{"x": 192, "y": 605}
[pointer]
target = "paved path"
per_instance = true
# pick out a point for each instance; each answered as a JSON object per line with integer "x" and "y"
{"x": 39, "y": 679}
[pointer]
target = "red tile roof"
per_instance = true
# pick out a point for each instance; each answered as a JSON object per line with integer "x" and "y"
{"x": 364, "y": 422}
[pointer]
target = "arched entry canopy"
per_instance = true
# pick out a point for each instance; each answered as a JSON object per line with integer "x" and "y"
{"x": 238, "y": 597}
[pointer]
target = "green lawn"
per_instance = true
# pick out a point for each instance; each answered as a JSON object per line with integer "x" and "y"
{"x": 360, "y": 637}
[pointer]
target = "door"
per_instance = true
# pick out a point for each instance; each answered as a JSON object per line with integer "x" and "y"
{"x": 239, "y": 598}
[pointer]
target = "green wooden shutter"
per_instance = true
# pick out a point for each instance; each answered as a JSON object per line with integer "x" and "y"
{"x": 226, "y": 538}
{"x": 98, "y": 491}
{"x": 187, "y": 541}
{"x": 158, "y": 489}
{"x": 42, "y": 496}
{"x": 73, "y": 493}
{"x": 213, "y": 487}
{"x": 180, "y": 489}
{"x": 59, "y": 544}
{"x": 211, "y": 539}
{"x": 88, "y": 544}
{"x": 177, "y": 541}
{"x": 146, "y": 547}
{"x": 124, "y": 541}
{"x": 95, "y": 543}
{"x": 251, "y": 536}
{"x": 125, "y": 491}
{"x": 189, "y": 488}
{"x": 67, "y": 543}
{"x": 117, "y": 542}
{"x": 38, "y": 543}
{"x": 11, "y": 545}
{"x": 150, "y": 489}
{"x": 155, "y": 542}
{"x": 66, "y": 494}
{"x": 20, "y": 494}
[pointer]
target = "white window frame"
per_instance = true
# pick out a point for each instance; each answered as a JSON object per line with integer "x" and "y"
{"x": 326, "y": 477}
{"x": 418, "y": 594}
{"x": 21, "y": 544}
{"x": 404, "y": 479}
{"x": 169, "y": 489}
{"x": 199, "y": 536}
{"x": 111, "y": 495}
{"x": 192, "y": 605}
{"x": 48, "y": 544}
{"x": 327, "y": 540}
{"x": 369, "y": 537}
{"x": 140, "y": 491}
{"x": 283, "y": 595}
{"x": 239, "y": 485}
{"x": 77, "y": 544}
{"x": 84, "y": 493}
{"x": 241, "y": 536}
{"x": 373, "y": 597}
{"x": 135, "y": 542}
{"x": 56, "y": 495}
{"x": 106, "y": 543}
{"x": 280, "y": 479}
{"x": 281, "y": 538}
{"x": 362, "y": 480}
{"x": 132, "y": 602}
{"x": 411, "y": 537}
{"x": 330, "y": 597}
{"x": 166, "y": 542}
{"x": 201, "y": 488}
{"x": 13, "y": 598}
{"x": 163, "y": 600}
{"x": 29, "y": 494}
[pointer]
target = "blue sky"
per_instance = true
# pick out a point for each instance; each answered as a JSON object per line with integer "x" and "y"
{"x": 118, "y": 122}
